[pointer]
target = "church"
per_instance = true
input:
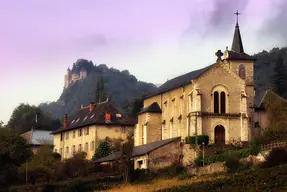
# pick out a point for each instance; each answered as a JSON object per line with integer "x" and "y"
{"x": 216, "y": 101}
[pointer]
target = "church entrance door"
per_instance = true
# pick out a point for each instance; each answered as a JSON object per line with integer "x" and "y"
{"x": 219, "y": 134}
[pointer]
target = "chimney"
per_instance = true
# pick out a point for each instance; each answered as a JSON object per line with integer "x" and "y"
{"x": 66, "y": 121}
{"x": 108, "y": 117}
{"x": 92, "y": 104}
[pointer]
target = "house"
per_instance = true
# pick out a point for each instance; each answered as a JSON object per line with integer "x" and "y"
{"x": 262, "y": 100}
{"x": 38, "y": 138}
{"x": 153, "y": 156}
{"x": 84, "y": 130}
{"x": 216, "y": 101}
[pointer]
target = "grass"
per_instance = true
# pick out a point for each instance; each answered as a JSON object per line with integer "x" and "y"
{"x": 160, "y": 184}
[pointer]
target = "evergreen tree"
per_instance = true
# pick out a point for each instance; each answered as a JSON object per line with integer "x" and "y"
{"x": 279, "y": 77}
{"x": 104, "y": 149}
{"x": 97, "y": 97}
{"x": 100, "y": 95}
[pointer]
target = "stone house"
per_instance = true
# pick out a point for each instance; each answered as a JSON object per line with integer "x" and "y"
{"x": 84, "y": 130}
{"x": 260, "y": 109}
{"x": 153, "y": 156}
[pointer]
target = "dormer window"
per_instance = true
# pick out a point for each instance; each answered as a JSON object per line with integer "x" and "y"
{"x": 73, "y": 121}
{"x": 118, "y": 115}
{"x": 77, "y": 120}
{"x": 108, "y": 117}
{"x": 92, "y": 116}
{"x": 85, "y": 118}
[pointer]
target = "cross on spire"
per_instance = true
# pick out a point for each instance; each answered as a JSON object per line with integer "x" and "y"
{"x": 237, "y": 13}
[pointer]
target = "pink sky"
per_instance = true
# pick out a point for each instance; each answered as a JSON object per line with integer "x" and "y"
{"x": 154, "y": 39}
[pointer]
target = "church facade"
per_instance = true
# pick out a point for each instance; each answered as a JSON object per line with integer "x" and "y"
{"x": 216, "y": 101}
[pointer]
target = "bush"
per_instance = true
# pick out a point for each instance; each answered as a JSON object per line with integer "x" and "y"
{"x": 221, "y": 157}
{"x": 254, "y": 147}
{"x": 79, "y": 184}
{"x": 200, "y": 139}
{"x": 232, "y": 162}
{"x": 276, "y": 157}
{"x": 77, "y": 166}
{"x": 263, "y": 180}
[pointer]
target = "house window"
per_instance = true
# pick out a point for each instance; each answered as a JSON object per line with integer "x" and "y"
{"x": 179, "y": 126}
{"x": 170, "y": 129}
{"x": 241, "y": 72}
{"x": 163, "y": 131}
{"x": 165, "y": 109}
{"x": 80, "y": 148}
{"x": 190, "y": 103}
{"x": 62, "y": 136}
{"x": 216, "y": 102}
{"x": 123, "y": 129}
{"x": 92, "y": 146}
{"x": 56, "y": 151}
{"x": 74, "y": 149}
{"x": 74, "y": 134}
{"x": 80, "y": 132}
{"x": 219, "y": 102}
{"x": 222, "y": 102}
{"x": 173, "y": 108}
{"x": 142, "y": 134}
{"x": 86, "y": 147}
{"x": 87, "y": 131}
{"x": 67, "y": 135}
{"x": 67, "y": 151}
{"x": 180, "y": 106}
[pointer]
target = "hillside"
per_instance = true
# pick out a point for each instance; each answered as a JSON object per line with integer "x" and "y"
{"x": 120, "y": 86}
{"x": 264, "y": 66}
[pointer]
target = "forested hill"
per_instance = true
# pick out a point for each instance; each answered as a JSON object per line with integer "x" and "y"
{"x": 264, "y": 67}
{"x": 120, "y": 86}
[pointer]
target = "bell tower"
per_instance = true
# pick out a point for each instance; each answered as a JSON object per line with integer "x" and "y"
{"x": 243, "y": 65}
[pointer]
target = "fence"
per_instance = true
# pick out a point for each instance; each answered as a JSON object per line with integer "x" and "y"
{"x": 273, "y": 145}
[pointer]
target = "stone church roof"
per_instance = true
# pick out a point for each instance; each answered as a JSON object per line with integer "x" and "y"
{"x": 85, "y": 117}
{"x": 153, "y": 108}
{"x": 139, "y": 150}
{"x": 237, "y": 45}
{"x": 179, "y": 81}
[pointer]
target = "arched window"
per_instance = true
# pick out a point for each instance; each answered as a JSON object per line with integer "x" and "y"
{"x": 242, "y": 71}
{"x": 216, "y": 102}
{"x": 222, "y": 102}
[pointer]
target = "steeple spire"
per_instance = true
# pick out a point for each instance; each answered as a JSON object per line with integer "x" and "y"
{"x": 237, "y": 45}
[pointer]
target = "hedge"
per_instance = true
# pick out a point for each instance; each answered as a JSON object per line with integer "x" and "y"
{"x": 269, "y": 179}
{"x": 200, "y": 139}
{"x": 242, "y": 153}
{"x": 79, "y": 184}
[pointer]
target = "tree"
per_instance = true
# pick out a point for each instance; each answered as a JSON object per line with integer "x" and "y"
{"x": 40, "y": 166}
{"x": 100, "y": 95}
{"x": 107, "y": 147}
{"x": 104, "y": 149}
{"x": 23, "y": 119}
{"x": 279, "y": 77}
{"x": 126, "y": 155}
{"x": 14, "y": 151}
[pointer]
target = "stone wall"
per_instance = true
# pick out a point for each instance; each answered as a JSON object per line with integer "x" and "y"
{"x": 208, "y": 169}
{"x": 188, "y": 155}
{"x": 165, "y": 156}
